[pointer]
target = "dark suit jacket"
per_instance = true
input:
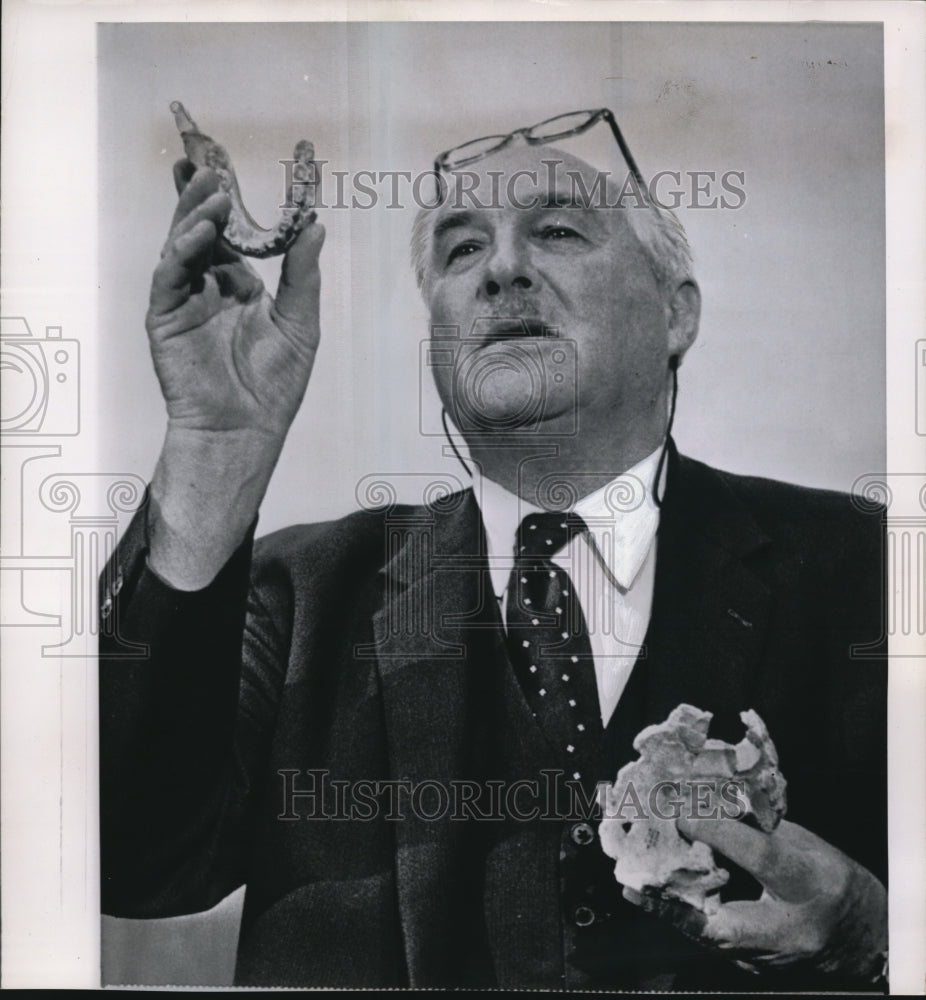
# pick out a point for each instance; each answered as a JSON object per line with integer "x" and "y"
{"x": 369, "y": 652}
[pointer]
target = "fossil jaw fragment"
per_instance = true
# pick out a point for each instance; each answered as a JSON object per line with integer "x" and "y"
{"x": 677, "y": 762}
{"x": 242, "y": 232}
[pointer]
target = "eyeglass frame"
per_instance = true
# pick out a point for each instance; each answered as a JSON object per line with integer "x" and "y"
{"x": 595, "y": 116}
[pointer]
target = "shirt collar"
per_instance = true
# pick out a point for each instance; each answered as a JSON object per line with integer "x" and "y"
{"x": 622, "y": 517}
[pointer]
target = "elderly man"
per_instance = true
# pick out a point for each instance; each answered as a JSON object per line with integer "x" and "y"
{"x": 528, "y": 628}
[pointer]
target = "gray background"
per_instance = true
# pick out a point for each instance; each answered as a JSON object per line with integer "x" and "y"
{"x": 786, "y": 379}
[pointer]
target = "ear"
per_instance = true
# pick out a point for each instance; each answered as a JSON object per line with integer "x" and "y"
{"x": 684, "y": 313}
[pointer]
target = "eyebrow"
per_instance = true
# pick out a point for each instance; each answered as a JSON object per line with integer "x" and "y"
{"x": 455, "y": 221}
{"x": 551, "y": 200}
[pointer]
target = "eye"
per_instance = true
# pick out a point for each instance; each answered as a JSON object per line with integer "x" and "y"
{"x": 462, "y": 250}
{"x": 559, "y": 233}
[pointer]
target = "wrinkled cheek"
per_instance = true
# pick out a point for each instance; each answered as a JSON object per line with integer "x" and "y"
{"x": 446, "y": 310}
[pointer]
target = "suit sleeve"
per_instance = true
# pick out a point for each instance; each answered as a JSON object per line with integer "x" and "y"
{"x": 177, "y": 743}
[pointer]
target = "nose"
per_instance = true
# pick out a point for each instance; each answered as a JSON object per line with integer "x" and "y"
{"x": 508, "y": 268}
{"x": 493, "y": 288}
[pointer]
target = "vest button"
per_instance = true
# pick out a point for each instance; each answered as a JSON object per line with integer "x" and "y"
{"x": 582, "y": 834}
{"x": 584, "y": 916}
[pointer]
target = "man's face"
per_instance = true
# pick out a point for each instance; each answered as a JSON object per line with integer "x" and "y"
{"x": 500, "y": 277}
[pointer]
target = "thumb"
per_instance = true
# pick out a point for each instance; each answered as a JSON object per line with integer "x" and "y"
{"x": 790, "y": 862}
{"x": 748, "y": 925}
{"x": 296, "y": 302}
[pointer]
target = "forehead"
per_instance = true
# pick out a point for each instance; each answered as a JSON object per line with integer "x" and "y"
{"x": 524, "y": 177}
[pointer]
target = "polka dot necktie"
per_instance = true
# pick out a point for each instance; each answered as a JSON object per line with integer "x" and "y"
{"x": 549, "y": 644}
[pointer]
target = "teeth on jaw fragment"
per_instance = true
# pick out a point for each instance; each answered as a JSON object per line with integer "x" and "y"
{"x": 241, "y": 231}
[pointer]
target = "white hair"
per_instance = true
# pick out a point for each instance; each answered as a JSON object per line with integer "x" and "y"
{"x": 663, "y": 238}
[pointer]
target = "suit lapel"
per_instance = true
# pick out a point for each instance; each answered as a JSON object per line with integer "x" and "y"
{"x": 710, "y": 611}
{"x": 434, "y": 645}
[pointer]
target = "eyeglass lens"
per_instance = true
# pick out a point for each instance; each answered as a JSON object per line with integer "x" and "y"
{"x": 563, "y": 125}
{"x": 554, "y": 128}
{"x": 475, "y": 149}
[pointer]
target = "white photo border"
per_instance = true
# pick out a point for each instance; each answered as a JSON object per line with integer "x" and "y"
{"x": 50, "y": 898}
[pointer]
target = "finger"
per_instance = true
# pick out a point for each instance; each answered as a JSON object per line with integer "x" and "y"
{"x": 183, "y": 173}
{"x": 237, "y": 280}
{"x": 296, "y": 302}
{"x": 778, "y": 860}
{"x": 215, "y": 208}
{"x": 201, "y": 185}
{"x": 682, "y": 916}
{"x": 173, "y": 277}
{"x": 745, "y": 925}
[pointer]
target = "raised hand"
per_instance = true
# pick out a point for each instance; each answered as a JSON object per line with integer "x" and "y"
{"x": 228, "y": 357}
{"x": 233, "y": 365}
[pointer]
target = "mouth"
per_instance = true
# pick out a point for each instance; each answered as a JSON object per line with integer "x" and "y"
{"x": 516, "y": 328}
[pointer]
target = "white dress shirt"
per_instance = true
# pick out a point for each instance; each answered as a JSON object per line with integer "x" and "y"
{"x": 612, "y": 566}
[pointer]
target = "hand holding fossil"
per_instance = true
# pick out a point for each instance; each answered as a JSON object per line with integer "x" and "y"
{"x": 821, "y": 916}
{"x": 233, "y": 365}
